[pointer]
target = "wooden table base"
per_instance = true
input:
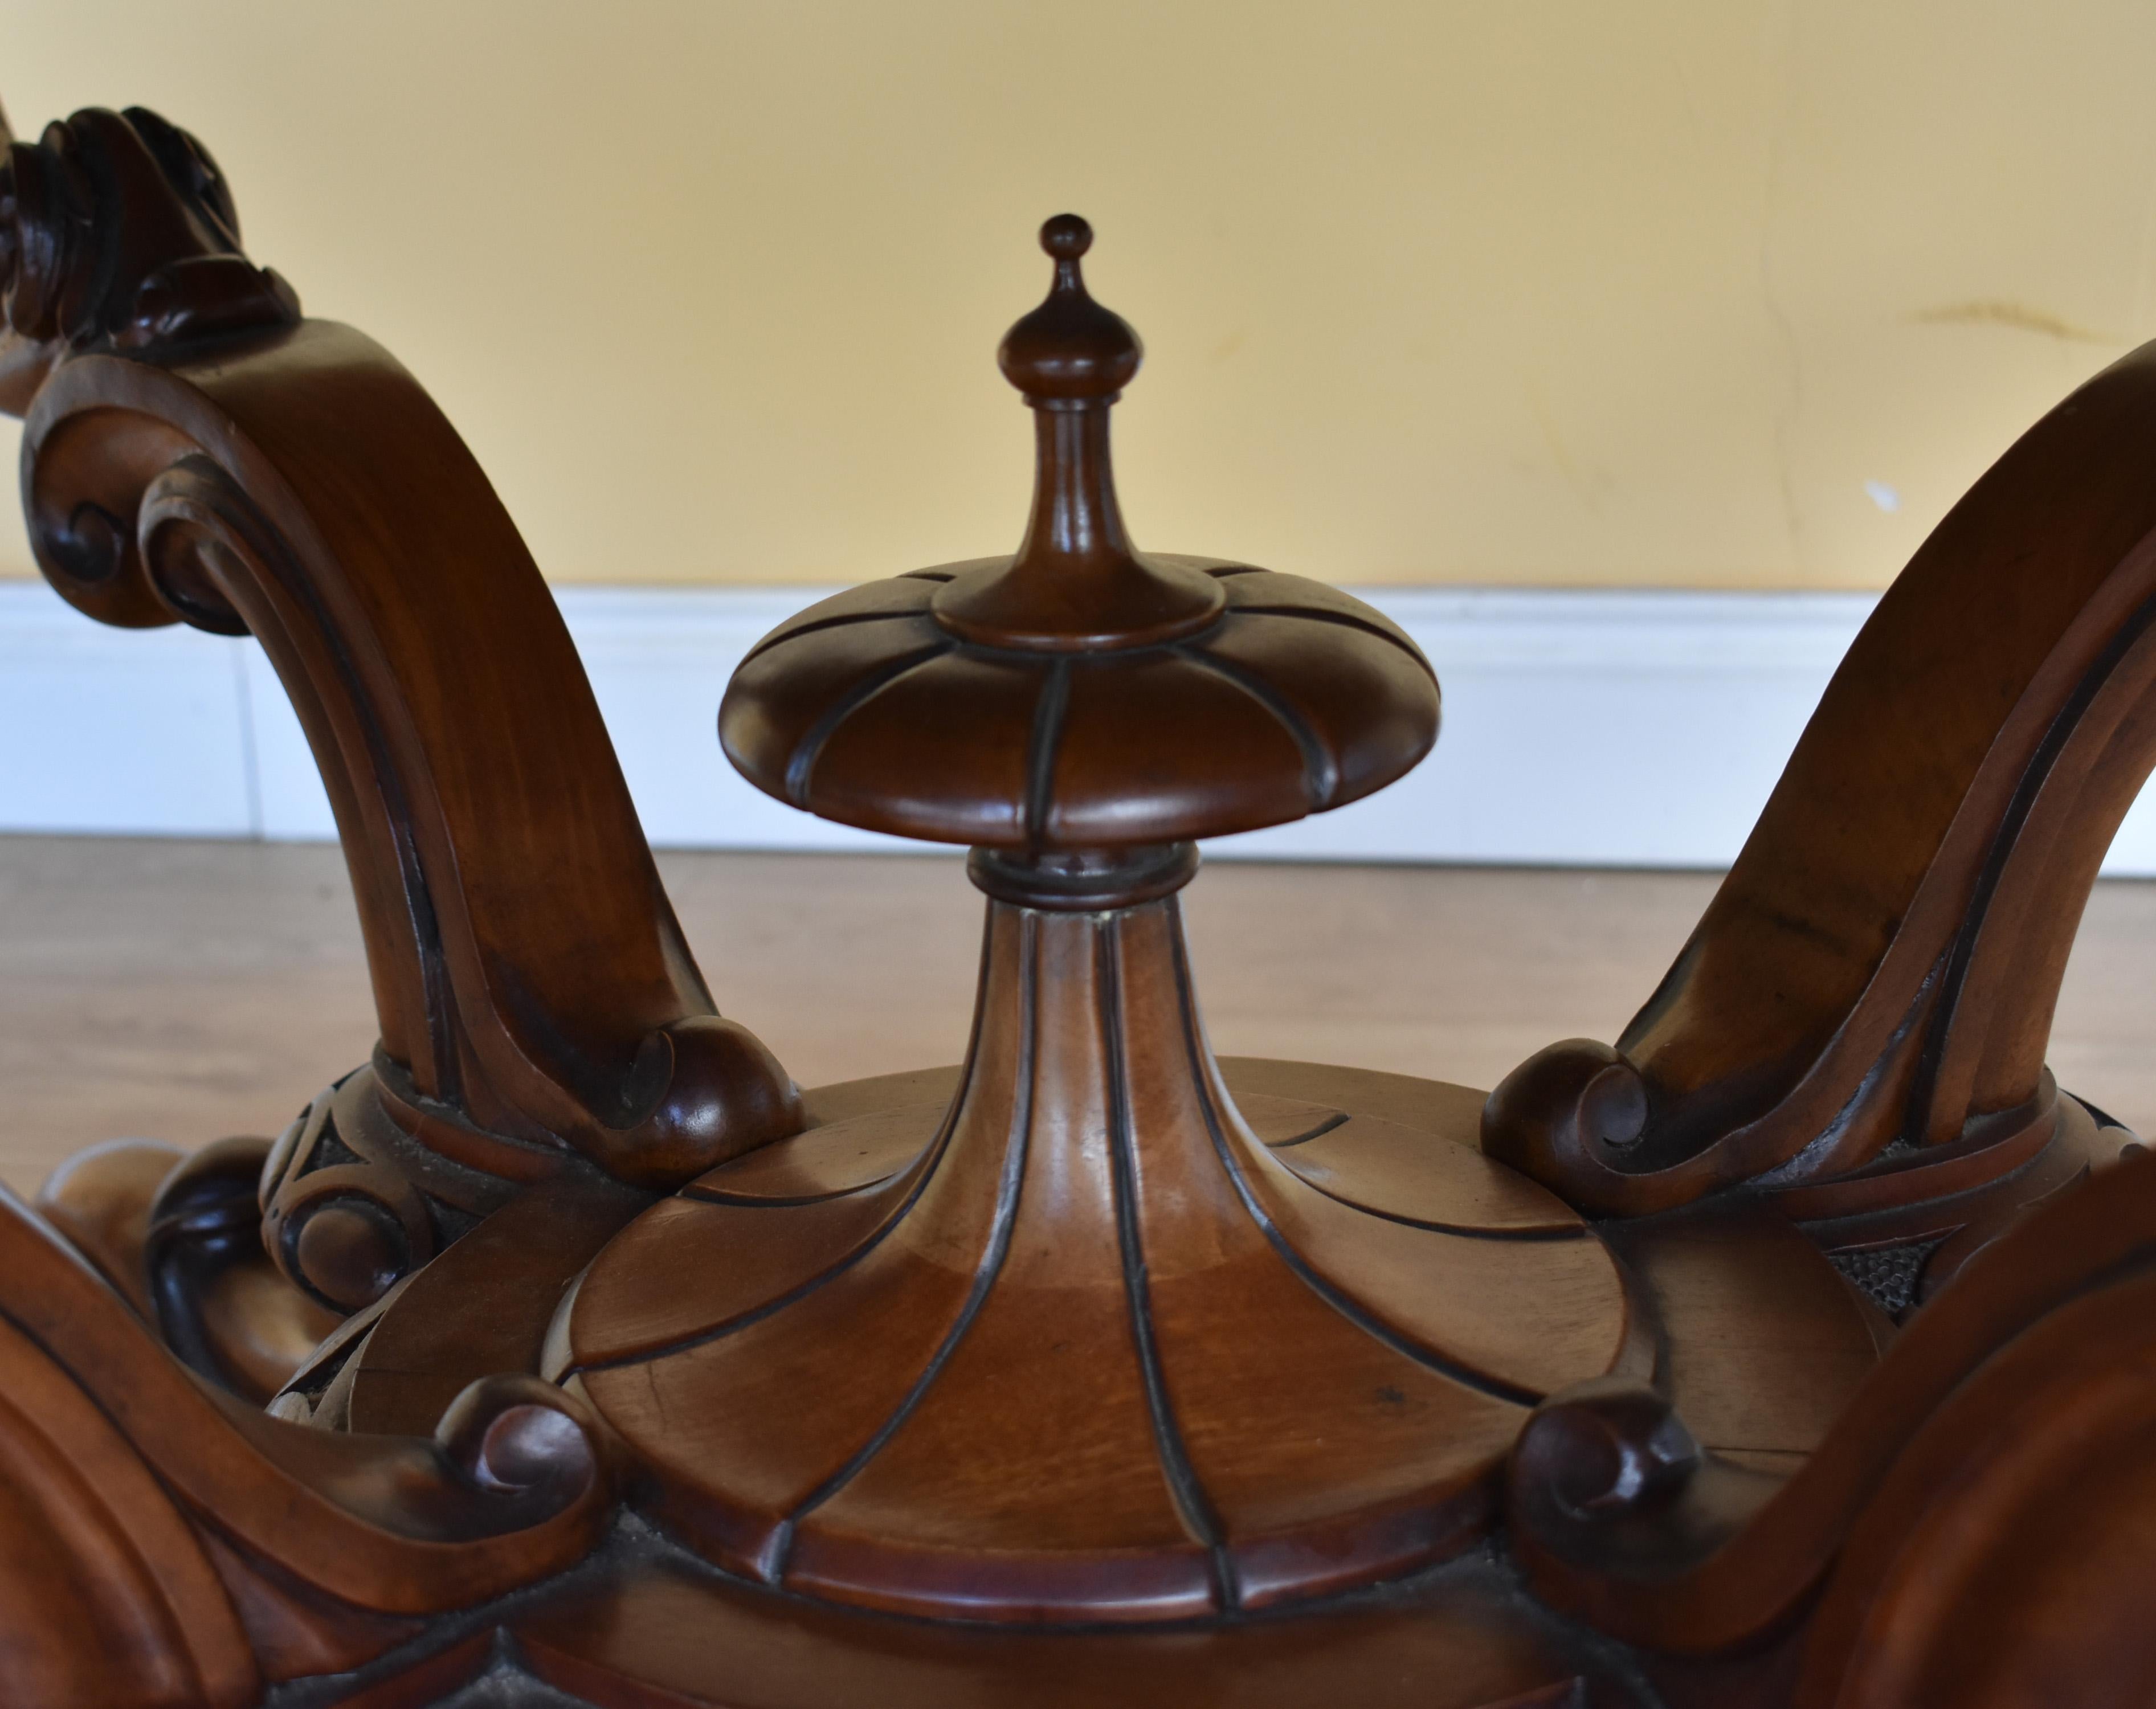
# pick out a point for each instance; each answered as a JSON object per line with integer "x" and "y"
{"x": 1795, "y": 1350}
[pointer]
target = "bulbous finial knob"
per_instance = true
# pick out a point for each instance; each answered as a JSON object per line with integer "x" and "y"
{"x": 1066, "y": 236}
{"x": 1070, "y": 348}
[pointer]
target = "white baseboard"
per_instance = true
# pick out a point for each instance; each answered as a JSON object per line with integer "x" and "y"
{"x": 1616, "y": 728}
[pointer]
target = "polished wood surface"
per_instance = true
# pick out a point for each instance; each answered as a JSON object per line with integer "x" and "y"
{"x": 1792, "y": 1351}
{"x": 1916, "y": 876}
{"x": 1155, "y": 1460}
{"x": 1093, "y": 1354}
{"x": 257, "y": 488}
{"x": 1004, "y": 703}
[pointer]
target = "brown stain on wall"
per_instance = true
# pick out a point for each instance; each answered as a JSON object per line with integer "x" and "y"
{"x": 2019, "y": 317}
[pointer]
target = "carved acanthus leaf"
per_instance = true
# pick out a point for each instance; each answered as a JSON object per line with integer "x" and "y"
{"x": 117, "y": 231}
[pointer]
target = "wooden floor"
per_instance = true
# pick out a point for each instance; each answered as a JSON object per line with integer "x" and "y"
{"x": 185, "y": 990}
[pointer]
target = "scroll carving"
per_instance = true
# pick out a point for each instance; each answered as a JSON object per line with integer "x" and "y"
{"x": 118, "y": 231}
{"x": 2018, "y": 1393}
{"x": 1094, "y": 1341}
{"x": 1880, "y": 967}
{"x": 287, "y": 479}
{"x": 213, "y": 1295}
{"x": 178, "y": 1236}
{"x": 510, "y": 1485}
{"x": 340, "y": 1221}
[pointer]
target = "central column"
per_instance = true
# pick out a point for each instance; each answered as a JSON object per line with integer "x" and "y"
{"x": 1076, "y": 1346}
{"x": 1085, "y": 1102}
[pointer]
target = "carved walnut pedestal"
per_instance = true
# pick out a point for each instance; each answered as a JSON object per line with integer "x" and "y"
{"x": 1798, "y": 1349}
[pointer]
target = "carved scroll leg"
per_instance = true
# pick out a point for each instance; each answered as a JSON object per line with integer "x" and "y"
{"x": 196, "y": 452}
{"x": 1871, "y": 991}
{"x": 267, "y": 1546}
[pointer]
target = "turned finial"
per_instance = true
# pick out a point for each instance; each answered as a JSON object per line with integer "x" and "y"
{"x": 1079, "y": 695}
{"x": 1069, "y": 350}
{"x": 1077, "y": 584}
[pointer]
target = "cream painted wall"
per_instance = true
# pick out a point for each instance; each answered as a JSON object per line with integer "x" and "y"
{"x": 1548, "y": 290}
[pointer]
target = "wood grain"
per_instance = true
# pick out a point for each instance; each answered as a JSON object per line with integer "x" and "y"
{"x": 1128, "y": 1374}
{"x": 1915, "y": 881}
